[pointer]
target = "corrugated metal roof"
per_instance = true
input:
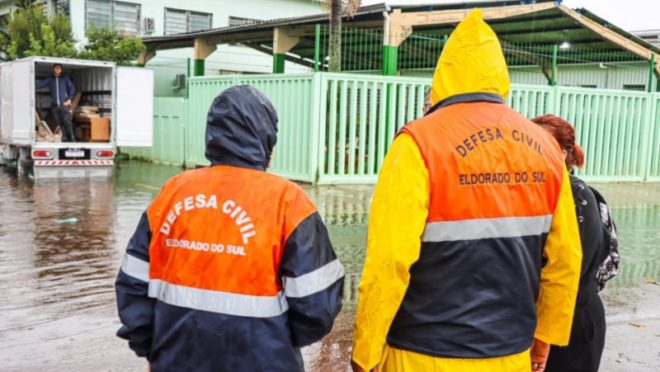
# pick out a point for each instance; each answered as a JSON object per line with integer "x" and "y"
{"x": 376, "y": 9}
{"x": 551, "y": 26}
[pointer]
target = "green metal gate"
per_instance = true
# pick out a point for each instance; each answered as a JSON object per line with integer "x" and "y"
{"x": 337, "y": 128}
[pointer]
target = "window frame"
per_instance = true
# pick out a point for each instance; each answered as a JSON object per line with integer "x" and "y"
{"x": 187, "y": 13}
{"x": 113, "y": 23}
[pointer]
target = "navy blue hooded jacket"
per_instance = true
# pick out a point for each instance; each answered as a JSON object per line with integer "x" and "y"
{"x": 61, "y": 88}
{"x": 193, "y": 328}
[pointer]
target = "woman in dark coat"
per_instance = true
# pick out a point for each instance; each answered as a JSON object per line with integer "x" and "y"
{"x": 600, "y": 261}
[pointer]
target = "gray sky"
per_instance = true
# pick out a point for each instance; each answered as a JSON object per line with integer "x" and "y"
{"x": 631, "y": 15}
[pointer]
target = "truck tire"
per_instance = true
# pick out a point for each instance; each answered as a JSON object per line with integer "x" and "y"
{"x": 25, "y": 164}
{"x": 26, "y": 167}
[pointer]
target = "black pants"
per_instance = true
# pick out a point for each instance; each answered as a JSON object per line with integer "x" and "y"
{"x": 62, "y": 115}
{"x": 587, "y": 340}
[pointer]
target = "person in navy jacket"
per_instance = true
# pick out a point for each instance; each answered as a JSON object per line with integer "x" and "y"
{"x": 62, "y": 91}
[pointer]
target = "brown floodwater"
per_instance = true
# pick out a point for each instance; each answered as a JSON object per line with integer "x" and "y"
{"x": 61, "y": 243}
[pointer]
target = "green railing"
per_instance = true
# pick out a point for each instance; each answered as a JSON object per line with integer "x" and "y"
{"x": 337, "y": 128}
{"x": 360, "y": 120}
{"x": 653, "y": 169}
{"x": 612, "y": 127}
{"x": 168, "y": 133}
{"x": 294, "y": 96}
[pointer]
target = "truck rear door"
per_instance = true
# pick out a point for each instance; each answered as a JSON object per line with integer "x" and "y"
{"x": 18, "y": 102}
{"x": 135, "y": 107}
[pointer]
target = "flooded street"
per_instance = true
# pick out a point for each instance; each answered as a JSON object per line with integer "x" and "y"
{"x": 61, "y": 244}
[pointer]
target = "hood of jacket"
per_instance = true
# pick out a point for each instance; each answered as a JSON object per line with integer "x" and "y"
{"x": 471, "y": 62}
{"x": 241, "y": 128}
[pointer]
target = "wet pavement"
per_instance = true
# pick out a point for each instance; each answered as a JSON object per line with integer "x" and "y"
{"x": 57, "y": 308}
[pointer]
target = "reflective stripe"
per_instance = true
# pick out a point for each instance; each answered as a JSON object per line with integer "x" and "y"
{"x": 314, "y": 281}
{"x": 135, "y": 267}
{"x": 486, "y": 228}
{"x": 218, "y": 302}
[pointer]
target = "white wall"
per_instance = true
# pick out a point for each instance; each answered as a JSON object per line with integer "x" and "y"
{"x": 168, "y": 63}
{"x": 221, "y": 10}
{"x": 607, "y": 76}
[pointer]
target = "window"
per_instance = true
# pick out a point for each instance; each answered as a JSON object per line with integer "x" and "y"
{"x": 638, "y": 87}
{"x": 180, "y": 21}
{"x": 588, "y": 86}
{"x": 240, "y": 21}
{"x": 117, "y": 15}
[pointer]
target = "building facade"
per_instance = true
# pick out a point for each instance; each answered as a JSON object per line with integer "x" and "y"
{"x": 168, "y": 17}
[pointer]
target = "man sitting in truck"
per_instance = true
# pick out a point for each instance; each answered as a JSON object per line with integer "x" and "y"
{"x": 62, "y": 91}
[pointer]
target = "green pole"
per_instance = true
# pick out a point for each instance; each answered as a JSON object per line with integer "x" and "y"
{"x": 555, "y": 52}
{"x": 199, "y": 67}
{"x": 187, "y": 67}
{"x": 651, "y": 73}
{"x": 390, "y": 60}
{"x": 278, "y": 63}
{"x": 317, "y": 47}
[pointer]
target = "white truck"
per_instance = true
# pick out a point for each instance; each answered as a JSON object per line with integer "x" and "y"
{"x": 122, "y": 98}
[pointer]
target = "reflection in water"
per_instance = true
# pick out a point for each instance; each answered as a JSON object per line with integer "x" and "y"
{"x": 639, "y": 240}
{"x": 74, "y": 262}
{"x": 57, "y": 274}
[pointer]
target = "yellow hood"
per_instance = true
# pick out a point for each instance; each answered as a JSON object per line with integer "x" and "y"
{"x": 471, "y": 62}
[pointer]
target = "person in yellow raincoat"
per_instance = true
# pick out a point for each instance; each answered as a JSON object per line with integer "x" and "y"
{"x": 473, "y": 252}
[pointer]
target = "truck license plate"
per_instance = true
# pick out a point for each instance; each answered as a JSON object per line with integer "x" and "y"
{"x": 74, "y": 153}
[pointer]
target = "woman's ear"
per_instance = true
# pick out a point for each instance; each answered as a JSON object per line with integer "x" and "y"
{"x": 565, "y": 153}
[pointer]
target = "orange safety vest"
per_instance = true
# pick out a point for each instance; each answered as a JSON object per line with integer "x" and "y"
{"x": 218, "y": 239}
{"x": 495, "y": 180}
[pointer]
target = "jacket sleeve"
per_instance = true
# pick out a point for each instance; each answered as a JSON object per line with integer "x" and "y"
{"x": 42, "y": 83}
{"x": 313, "y": 280}
{"x": 398, "y": 215}
{"x": 70, "y": 88}
{"x": 561, "y": 275}
{"x": 135, "y": 307}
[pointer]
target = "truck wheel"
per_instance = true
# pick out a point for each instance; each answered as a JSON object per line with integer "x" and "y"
{"x": 25, "y": 164}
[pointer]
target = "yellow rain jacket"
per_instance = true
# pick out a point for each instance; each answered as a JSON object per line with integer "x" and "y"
{"x": 473, "y": 245}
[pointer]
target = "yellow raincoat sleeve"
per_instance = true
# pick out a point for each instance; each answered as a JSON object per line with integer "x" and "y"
{"x": 561, "y": 275}
{"x": 399, "y": 210}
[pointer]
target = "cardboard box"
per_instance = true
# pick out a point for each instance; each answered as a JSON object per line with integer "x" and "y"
{"x": 100, "y": 129}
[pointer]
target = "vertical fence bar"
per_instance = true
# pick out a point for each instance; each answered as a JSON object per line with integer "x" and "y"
{"x": 352, "y": 128}
{"x": 594, "y": 127}
{"x": 621, "y": 148}
{"x": 653, "y": 150}
{"x": 317, "y": 47}
{"x": 341, "y": 141}
{"x": 319, "y": 120}
{"x": 363, "y": 127}
{"x": 410, "y": 114}
{"x": 632, "y": 138}
{"x": 615, "y": 136}
{"x": 332, "y": 129}
{"x": 383, "y": 121}
{"x": 373, "y": 113}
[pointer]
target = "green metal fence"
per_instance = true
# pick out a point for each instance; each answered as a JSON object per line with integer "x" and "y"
{"x": 295, "y": 98}
{"x": 653, "y": 169}
{"x": 168, "y": 133}
{"x": 612, "y": 127}
{"x": 337, "y": 128}
{"x": 360, "y": 119}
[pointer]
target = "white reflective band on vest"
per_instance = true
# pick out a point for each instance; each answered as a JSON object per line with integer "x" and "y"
{"x": 218, "y": 302}
{"x": 135, "y": 268}
{"x": 314, "y": 281}
{"x": 486, "y": 228}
